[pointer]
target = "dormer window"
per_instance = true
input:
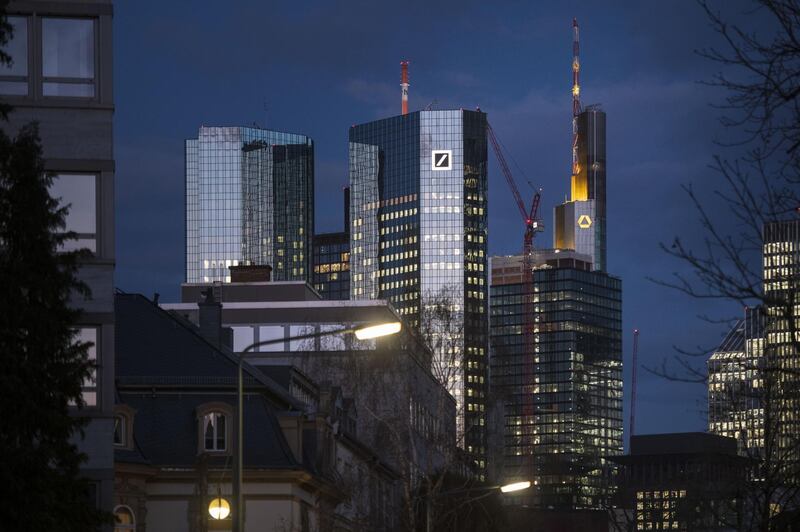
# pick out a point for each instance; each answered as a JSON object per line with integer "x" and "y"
{"x": 120, "y": 430}
{"x": 214, "y": 431}
{"x": 214, "y": 427}
{"x": 123, "y": 426}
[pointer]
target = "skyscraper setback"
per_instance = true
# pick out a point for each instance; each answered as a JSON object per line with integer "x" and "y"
{"x": 249, "y": 200}
{"x": 580, "y": 223}
{"x": 418, "y": 232}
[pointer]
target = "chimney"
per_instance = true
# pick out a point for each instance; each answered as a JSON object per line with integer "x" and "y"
{"x": 210, "y": 317}
{"x": 251, "y": 273}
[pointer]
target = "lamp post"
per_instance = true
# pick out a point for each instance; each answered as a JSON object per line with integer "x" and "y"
{"x": 504, "y": 488}
{"x": 362, "y": 333}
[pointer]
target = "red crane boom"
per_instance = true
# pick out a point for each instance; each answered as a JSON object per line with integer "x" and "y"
{"x": 532, "y": 225}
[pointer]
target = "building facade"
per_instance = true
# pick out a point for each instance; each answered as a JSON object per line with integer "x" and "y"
{"x": 62, "y": 78}
{"x": 249, "y": 200}
{"x": 781, "y": 258}
{"x": 305, "y": 467}
{"x": 418, "y": 218}
{"x": 580, "y": 224}
{"x": 735, "y": 385}
{"x": 405, "y": 415}
{"x": 680, "y": 481}
{"x": 560, "y": 407}
{"x": 331, "y": 259}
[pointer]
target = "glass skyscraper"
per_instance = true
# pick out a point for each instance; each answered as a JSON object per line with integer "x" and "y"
{"x": 561, "y": 406}
{"x": 580, "y": 224}
{"x": 331, "y": 277}
{"x": 249, "y": 200}
{"x": 418, "y": 232}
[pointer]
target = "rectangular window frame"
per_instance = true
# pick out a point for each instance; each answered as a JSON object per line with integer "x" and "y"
{"x": 95, "y": 237}
{"x": 92, "y": 385}
{"x": 7, "y": 78}
{"x": 42, "y": 81}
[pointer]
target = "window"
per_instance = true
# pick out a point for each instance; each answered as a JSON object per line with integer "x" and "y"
{"x": 90, "y": 384}
{"x": 78, "y": 192}
{"x": 214, "y": 431}
{"x": 68, "y": 57}
{"x": 124, "y": 519}
{"x": 120, "y": 430}
{"x": 14, "y": 78}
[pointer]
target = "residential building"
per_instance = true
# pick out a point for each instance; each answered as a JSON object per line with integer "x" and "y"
{"x": 331, "y": 259}
{"x": 62, "y": 78}
{"x": 305, "y": 467}
{"x": 558, "y": 410}
{"x": 418, "y": 233}
{"x": 680, "y": 481}
{"x": 249, "y": 200}
{"x": 580, "y": 223}
{"x": 404, "y": 414}
{"x": 736, "y": 385}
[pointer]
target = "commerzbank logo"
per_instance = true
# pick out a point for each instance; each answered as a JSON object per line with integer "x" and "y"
{"x": 442, "y": 160}
{"x": 584, "y": 222}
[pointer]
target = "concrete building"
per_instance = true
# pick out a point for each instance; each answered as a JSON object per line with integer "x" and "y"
{"x": 305, "y": 467}
{"x": 62, "y": 78}
{"x": 557, "y": 411}
{"x": 331, "y": 259}
{"x": 683, "y": 481}
{"x": 404, "y": 414}
{"x": 419, "y": 219}
{"x": 249, "y": 200}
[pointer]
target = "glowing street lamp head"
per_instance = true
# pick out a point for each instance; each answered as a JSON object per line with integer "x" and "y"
{"x": 219, "y": 509}
{"x": 376, "y": 331}
{"x": 516, "y": 486}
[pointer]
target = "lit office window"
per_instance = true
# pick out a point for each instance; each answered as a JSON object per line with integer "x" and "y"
{"x": 14, "y": 77}
{"x": 78, "y": 192}
{"x": 68, "y": 57}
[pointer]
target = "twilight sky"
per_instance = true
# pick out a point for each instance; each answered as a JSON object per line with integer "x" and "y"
{"x": 318, "y": 67}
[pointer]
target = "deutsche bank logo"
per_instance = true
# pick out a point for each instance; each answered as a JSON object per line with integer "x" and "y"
{"x": 442, "y": 160}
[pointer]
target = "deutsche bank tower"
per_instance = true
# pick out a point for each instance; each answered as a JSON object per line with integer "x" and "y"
{"x": 418, "y": 237}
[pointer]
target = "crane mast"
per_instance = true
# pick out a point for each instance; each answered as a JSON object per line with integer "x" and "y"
{"x": 635, "y": 363}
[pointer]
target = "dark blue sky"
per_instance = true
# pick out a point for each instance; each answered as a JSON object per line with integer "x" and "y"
{"x": 322, "y": 66}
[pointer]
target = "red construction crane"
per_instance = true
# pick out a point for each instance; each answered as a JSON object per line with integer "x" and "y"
{"x": 532, "y": 225}
{"x": 635, "y": 363}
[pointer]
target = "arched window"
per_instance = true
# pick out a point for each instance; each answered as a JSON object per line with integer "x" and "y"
{"x": 214, "y": 431}
{"x": 124, "y": 519}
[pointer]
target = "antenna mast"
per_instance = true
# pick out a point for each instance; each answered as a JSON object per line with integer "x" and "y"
{"x": 404, "y": 86}
{"x": 576, "y": 94}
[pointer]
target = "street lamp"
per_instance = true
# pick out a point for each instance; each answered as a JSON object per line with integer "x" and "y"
{"x": 362, "y": 333}
{"x": 219, "y": 509}
{"x": 504, "y": 488}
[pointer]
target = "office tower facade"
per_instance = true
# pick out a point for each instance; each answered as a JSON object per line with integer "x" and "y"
{"x": 735, "y": 400}
{"x": 680, "y": 481}
{"x": 560, "y": 407}
{"x": 781, "y": 259}
{"x": 331, "y": 259}
{"x": 249, "y": 200}
{"x": 418, "y": 232}
{"x": 62, "y": 78}
{"x": 580, "y": 224}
